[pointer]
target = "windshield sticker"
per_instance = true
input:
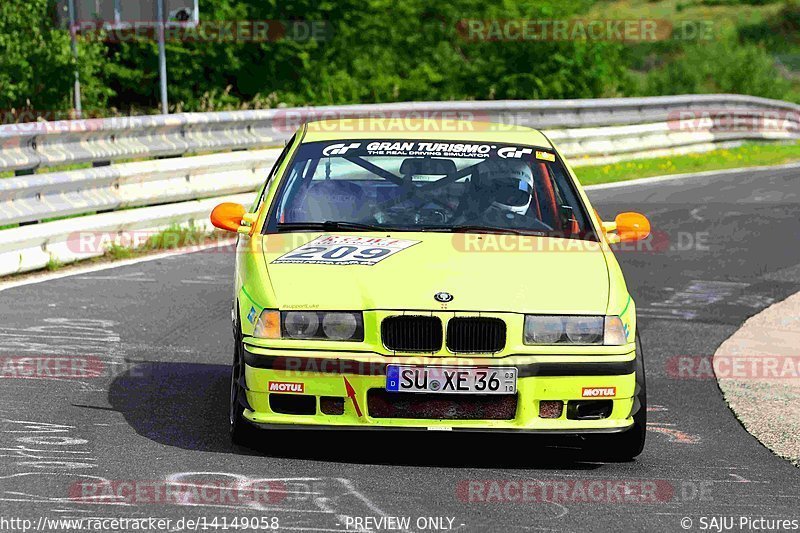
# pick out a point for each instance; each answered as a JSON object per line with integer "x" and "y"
{"x": 474, "y": 150}
{"x": 429, "y": 149}
{"x": 547, "y": 156}
{"x": 345, "y": 250}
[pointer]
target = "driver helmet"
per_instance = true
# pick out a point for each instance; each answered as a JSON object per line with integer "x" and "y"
{"x": 508, "y": 185}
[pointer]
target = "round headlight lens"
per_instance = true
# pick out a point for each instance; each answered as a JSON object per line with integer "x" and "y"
{"x": 301, "y": 325}
{"x": 543, "y": 329}
{"x": 585, "y": 329}
{"x": 339, "y": 326}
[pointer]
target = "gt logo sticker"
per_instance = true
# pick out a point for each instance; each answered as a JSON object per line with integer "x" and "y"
{"x": 286, "y": 386}
{"x": 514, "y": 153}
{"x": 598, "y": 392}
{"x": 339, "y": 148}
{"x": 345, "y": 250}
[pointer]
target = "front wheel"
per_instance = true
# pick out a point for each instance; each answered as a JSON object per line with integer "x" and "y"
{"x": 630, "y": 443}
{"x": 242, "y": 433}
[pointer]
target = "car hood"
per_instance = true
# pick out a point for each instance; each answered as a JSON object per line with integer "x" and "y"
{"x": 502, "y": 273}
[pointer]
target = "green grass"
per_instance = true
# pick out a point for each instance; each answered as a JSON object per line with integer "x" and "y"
{"x": 176, "y": 237}
{"x": 116, "y": 251}
{"x": 747, "y": 155}
{"x": 53, "y": 264}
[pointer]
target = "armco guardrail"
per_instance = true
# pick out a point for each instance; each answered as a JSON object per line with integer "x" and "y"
{"x": 587, "y": 131}
{"x": 108, "y": 188}
{"x": 47, "y": 144}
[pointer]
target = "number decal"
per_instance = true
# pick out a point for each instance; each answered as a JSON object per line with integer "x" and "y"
{"x": 306, "y": 254}
{"x": 345, "y": 250}
{"x": 335, "y": 253}
{"x": 373, "y": 253}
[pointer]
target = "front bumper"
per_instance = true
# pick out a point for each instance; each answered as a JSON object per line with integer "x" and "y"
{"x": 327, "y": 375}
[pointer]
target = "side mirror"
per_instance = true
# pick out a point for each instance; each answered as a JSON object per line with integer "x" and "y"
{"x": 629, "y": 227}
{"x": 228, "y": 216}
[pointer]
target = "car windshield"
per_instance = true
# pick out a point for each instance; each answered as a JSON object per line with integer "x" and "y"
{"x": 411, "y": 185}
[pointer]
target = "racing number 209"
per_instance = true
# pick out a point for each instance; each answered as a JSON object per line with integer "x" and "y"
{"x": 340, "y": 252}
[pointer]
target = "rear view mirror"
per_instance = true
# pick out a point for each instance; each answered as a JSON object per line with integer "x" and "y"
{"x": 427, "y": 166}
{"x": 632, "y": 227}
{"x": 628, "y": 226}
{"x": 228, "y": 216}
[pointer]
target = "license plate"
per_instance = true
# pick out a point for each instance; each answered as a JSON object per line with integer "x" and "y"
{"x": 451, "y": 380}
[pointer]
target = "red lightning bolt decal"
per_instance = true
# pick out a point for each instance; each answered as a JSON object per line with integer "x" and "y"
{"x": 351, "y": 393}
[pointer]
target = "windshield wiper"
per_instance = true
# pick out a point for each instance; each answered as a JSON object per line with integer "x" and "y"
{"x": 476, "y": 228}
{"x": 331, "y": 225}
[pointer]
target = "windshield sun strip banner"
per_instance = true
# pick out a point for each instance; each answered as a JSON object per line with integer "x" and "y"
{"x": 418, "y": 148}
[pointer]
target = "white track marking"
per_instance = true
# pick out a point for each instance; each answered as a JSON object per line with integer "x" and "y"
{"x": 82, "y": 270}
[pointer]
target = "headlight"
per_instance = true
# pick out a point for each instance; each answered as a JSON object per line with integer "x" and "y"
{"x": 334, "y": 325}
{"x": 543, "y": 329}
{"x": 339, "y": 326}
{"x": 300, "y": 325}
{"x": 574, "y": 329}
{"x": 584, "y": 329}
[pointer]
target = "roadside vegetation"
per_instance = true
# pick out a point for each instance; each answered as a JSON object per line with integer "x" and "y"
{"x": 384, "y": 51}
{"x": 172, "y": 238}
{"x": 747, "y": 155}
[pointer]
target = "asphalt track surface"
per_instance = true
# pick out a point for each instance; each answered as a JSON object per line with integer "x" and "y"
{"x": 726, "y": 247}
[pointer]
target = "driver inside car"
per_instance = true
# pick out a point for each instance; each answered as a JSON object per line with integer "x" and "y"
{"x": 501, "y": 193}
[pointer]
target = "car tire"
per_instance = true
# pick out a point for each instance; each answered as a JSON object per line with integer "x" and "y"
{"x": 630, "y": 443}
{"x": 241, "y": 431}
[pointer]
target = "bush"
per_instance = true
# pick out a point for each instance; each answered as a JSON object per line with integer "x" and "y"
{"x": 378, "y": 51}
{"x": 719, "y": 66}
{"x": 36, "y": 63}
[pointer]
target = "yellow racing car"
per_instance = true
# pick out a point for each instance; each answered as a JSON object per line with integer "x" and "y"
{"x": 434, "y": 277}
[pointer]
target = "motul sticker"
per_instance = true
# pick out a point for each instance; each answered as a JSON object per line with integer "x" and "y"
{"x": 598, "y": 392}
{"x": 286, "y": 386}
